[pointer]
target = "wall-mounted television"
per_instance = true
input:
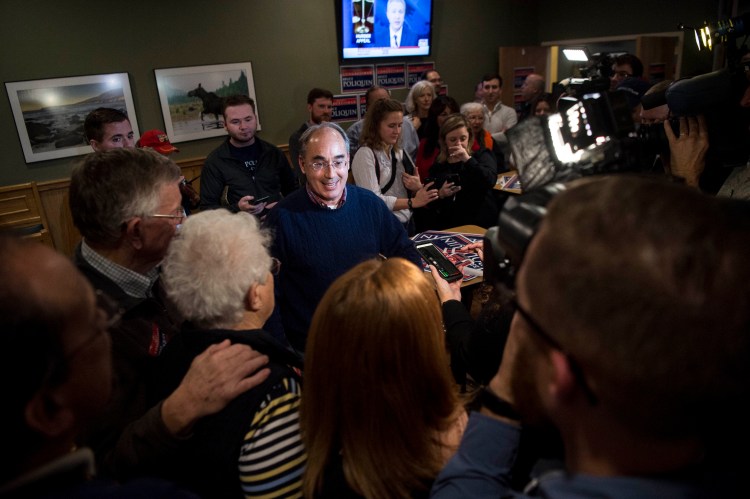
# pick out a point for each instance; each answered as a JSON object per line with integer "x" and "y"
{"x": 385, "y": 28}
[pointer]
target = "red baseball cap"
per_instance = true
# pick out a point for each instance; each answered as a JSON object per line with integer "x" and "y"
{"x": 156, "y": 140}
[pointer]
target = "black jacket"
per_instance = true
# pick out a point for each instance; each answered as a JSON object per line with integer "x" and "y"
{"x": 273, "y": 177}
{"x": 208, "y": 463}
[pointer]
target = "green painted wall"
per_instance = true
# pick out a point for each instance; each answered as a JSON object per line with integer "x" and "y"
{"x": 291, "y": 43}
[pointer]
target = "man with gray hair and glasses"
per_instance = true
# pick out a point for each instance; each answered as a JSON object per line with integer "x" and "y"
{"x": 127, "y": 205}
{"x": 325, "y": 228}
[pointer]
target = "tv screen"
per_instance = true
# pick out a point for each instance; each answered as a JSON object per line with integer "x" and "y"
{"x": 385, "y": 28}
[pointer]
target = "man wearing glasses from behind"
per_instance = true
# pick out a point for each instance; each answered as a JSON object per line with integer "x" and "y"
{"x": 324, "y": 229}
{"x": 127, "y": 205}
{"x": 629, "y": 339}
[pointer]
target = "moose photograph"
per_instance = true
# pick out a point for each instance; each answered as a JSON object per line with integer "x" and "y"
{"x": 191, "y": 98}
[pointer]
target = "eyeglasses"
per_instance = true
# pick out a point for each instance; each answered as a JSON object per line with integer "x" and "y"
{"x": 575, "y": 367}
{"x": 180, "y": 216}
{"x": 275, "y": 266}
{"x": 336, "y": 164}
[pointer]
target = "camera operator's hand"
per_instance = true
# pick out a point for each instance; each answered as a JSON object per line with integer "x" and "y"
{"x": 688, "y": 151}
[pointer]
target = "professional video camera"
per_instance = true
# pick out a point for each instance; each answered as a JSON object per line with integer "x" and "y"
{"x": 593, "y": 133}
{"x": 591, "y": 78}
{"x": 590, "y": 135}
{"x": 715, "y": 95}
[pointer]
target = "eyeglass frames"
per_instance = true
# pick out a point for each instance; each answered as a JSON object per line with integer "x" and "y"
{"x": 575, "y": 367}
{"x": 336, "y": 164}
{"x": 180, "y": 216}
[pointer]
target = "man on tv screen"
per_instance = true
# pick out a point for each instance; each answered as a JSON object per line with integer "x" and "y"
{"x": 396, "y": 32}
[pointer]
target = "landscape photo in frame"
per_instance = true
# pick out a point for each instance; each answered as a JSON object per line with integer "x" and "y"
{"x": 191, "y": 98}
{"x": 49, "y": 114}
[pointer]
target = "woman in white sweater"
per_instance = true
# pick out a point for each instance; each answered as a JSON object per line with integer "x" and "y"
{"x": 382, "y": 167}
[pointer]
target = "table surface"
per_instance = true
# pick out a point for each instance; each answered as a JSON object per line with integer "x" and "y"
{"x": 469, "y": 229}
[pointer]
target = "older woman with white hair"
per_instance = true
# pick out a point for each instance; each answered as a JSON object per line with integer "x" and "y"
{"x": 219, "y": 275}
{"x": 474, "y": 115}
{"x": 418, "y": 104}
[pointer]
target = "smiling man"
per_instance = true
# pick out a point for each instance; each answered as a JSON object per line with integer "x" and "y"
{"x": 254, "y": 173}
{"x": 397, "y": 32}
{"x": 326, "y": 228}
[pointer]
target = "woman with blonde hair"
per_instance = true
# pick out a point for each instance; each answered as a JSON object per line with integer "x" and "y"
{"x": 464, "y": 180}
{"x": 380, "y": 410}
{"x": 382, "y": 167}
{"x": 418, "y": 104}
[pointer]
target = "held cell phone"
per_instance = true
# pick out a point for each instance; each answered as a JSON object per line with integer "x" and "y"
{"x": 428, "y": 180}
{"x": 435, "y": 257}
{"x": 259, "y": 200}
{"x": 455, "y": 178}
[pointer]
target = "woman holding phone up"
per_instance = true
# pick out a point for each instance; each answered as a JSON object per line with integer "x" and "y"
{"x": 465, "y": 181}
{"x": 382, "y": 167}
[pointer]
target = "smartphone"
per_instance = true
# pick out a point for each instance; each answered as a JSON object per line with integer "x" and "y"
{"x": 259, "y": 200}
{"x": 435, "y": 257}
{"x": 428, "y": 180}
{"x": 455, "y": 178}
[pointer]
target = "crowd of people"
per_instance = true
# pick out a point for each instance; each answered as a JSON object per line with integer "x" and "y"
{"x": 277, "y": 337}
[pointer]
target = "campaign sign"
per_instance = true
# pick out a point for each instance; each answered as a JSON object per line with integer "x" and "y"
{"x": 356, "y": 79}
{"x": 362, "y": 105}
{"x": 344, "y": 108}
{"x": 391, "y": 75}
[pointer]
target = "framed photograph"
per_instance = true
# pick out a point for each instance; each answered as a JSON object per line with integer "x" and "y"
{"x": 50, "y": 113}
{"x": 191, "y": 98}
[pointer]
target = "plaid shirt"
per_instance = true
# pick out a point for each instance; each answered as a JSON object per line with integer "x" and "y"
{"x": 320, "y": 202}
{"x": 133, "y": 283}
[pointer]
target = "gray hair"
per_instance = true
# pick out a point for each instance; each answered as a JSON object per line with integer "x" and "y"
{"x": 416, "y": 91}
{"x": 212, "y": 263}
{"x": 470, "y": 107}
{"x": 109, "y": 188}
{"x": 305, "y": 139}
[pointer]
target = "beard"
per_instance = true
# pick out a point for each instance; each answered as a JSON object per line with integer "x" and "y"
{"x": 540, "y": 438}
{"x": 524, "y": 387}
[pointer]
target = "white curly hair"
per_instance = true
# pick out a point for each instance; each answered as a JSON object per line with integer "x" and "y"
{"x": 211, "y": 264}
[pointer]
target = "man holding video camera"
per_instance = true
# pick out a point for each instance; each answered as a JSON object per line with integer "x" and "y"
{"x": 629, "y": 339}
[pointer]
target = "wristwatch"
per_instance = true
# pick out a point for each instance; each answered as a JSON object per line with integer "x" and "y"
{"x": 496, "y": 405}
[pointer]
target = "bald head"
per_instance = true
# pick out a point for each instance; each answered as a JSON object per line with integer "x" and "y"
{"x": 533, "y": 86}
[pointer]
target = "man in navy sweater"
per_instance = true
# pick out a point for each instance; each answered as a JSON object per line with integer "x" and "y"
{"x": 326, "y": 228}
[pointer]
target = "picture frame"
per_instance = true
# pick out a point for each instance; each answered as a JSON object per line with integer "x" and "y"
{"x": 50, "y": 113}
{"x": 191, "y": 98}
